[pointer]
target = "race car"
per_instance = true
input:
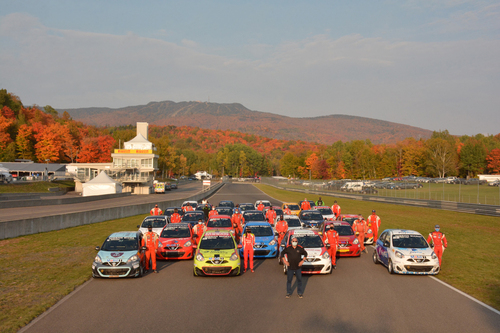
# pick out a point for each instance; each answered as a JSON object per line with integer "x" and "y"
{"x": 348, "y": 218}
{"x": 224, "y": 210}
{"x": 221, "y": 222}
{"x": 226, "y": 203}
{"x": 192, "y": 217}
{"x": 121, "y": 255}
{"x": 326, "y": 212}
{"x": 318, "y": 260}
{"x": 266, "y": 203}
{"x": 217, "y": 254}
{"x": 192, "y": 203}
{"x": 348, "y": 242}
{"x": 254, "y": 216}
{"x": 266, "y": 244}
{"x": 311, "y": 219}
{"x": 156, "y": 221}
{"x": 405, "y": 252}
{"x": 175, "y": 242}
{"x": 246, "y": 206}
{"x": 293, "y": 222}
{"x": 293, "y": 206}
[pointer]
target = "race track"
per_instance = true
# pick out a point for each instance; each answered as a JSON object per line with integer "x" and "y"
{"x": 358, "y": 297}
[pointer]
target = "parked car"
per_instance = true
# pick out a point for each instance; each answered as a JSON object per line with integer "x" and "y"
{"x": 175, "y": 242}
{"x": 217, "y": 254}
{"x": 266, "y": 243}
{"x": 311, "y": 219}
{"x": 348, "y": 242}
{"x": 156, "y": 221}
{"x": 474, "y": 181}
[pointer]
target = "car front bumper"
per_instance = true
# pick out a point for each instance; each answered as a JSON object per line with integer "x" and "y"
{"x": 122, "y": 270}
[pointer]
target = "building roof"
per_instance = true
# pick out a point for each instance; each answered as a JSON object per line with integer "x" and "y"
{"x": 138, "y": 139}
{"x": 34, "y": 167}
{"x": 102, "y": 178}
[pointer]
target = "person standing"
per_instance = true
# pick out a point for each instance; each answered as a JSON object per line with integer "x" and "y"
{"x": 188, "y": 208}
{"x": 287, "y": 210}
{"x": 332, "y": 237}
{"x": 260, "y": 206}
{"x": 360, "y": 228}
{"x": 206, "y": 210}
{"x": 156, "y": 211}
{"x": 248, "y": 241}
{"x": 175, "y": 217}
{"x": 336, "y": 209}
{"x": 319, "y": 202}
{"x": 198, "y": 231}
{"x": 374, "y": 224}
{"x": 213, "y": 212}
{"x": 150, "y": 241}
{"x": 439, "y": 241}
{"x": 305, "y": 205}
{"x": 271, "y": 216}
{"x": 293, "y": 257}
{"x": 281, "y": 229}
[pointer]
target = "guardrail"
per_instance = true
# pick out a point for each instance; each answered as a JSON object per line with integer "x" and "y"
{"x": 490, "y": 210}
{"x": 10, "y": 229}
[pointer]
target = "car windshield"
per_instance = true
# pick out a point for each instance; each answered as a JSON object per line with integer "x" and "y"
{"x": 175, "y": 232}
{"x": 219, "y": 223}
{"x": 278, "y": 211}
{"x": 254, "y": 216}
{"x": 192, "y": 204}
{"x": 169, "y": 212}
{"x": 226, "y": 204}
{"x": 293, "y": 222}
{"x": 261, "y": 231}
{"x": 211, "y": 242}
{"x": 309, "y": 240}
{"x": 224, "y": 211}
{"x": 409, "y": 241}
{"x": 154, "y": 222}
{"x": 120, "y": 244}
{"x": 311, "y": 216}
{"x": 344, "y": 230}
{"x": 294, "y": 207}
{"x": 350, "y": 220}
{"x": 325, "y": 211}
{"x": 244, "y": 207}
{"x": 193, "y": 217}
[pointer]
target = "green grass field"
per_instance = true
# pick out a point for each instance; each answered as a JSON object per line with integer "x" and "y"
{"x": 472, "y": 259}
{"x": 34, "y": 187}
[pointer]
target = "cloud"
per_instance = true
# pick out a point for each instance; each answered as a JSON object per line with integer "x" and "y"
{"x": 437, "y": 85}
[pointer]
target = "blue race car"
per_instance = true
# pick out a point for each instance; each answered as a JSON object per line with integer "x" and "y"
{"x": 266, "y": 244}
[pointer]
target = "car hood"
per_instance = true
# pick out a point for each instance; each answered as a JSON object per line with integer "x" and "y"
{"x": 314, "y": 251}
{"x": 415, "y": 252}
{"x": 180, "y": 241}
{"x": 115, "y": 256}
{"x": 263, "y": 239}
{"x": 222, "y": 253}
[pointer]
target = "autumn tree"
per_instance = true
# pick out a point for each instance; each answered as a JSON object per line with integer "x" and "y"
{"x": 493, "y": 160}
{"x": 441, "y": 154}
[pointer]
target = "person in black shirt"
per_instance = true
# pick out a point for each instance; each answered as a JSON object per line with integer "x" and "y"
{"x": 293, "y": 257}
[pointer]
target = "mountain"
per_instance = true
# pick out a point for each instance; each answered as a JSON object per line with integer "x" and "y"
{"x": 236, "y": 117}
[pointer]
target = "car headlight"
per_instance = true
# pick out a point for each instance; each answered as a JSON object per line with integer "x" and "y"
{"x": 199, "y": 257}
{"x": 234, "y": 257}
{"x": 434, "y": 256}
{"x": 325, "y": 255}
{"x": 133, "y": 258}
{"x": 370, "y": 231}
{"x": 273, "y": 242}
{"x": 160, "y": 244}
{"x": 97, "y": 259}
{"x": 399, "y": 254}
{"x": 188, "y": 243}
{"x": 356, "y": 241}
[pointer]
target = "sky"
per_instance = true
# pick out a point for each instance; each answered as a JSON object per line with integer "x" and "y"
{"x": 425, "y": 63}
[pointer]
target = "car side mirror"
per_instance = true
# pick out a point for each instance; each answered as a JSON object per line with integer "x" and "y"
{"x": 240, "y": 246}
{"x": 97, "y": 248}
{"x": 144, "y": 248}
{"x": 386, "y": 244}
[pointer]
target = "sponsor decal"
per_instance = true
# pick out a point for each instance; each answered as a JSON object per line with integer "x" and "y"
{"x": 116, "y": 255}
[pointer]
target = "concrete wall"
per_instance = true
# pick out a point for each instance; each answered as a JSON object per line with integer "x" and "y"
{"x": 34, "y": 200}
{"x": 10, "y": 229}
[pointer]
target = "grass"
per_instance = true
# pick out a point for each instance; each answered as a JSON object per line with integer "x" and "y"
{"x": 472, "y": 259}
{"x": 39, "y": 270}
{"x": 34, "y": 187}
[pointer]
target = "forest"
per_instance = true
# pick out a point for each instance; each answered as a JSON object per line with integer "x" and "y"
{"x": 42, "y": 135}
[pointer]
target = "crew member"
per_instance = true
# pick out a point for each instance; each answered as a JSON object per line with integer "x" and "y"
{"x": 271, "y": 216}
{"x": 238, "y": 218}
{"x": 175, "y": 217}
{"x": 156, "y": 211}
{"x": 281, "y": 229}
{"x": 360, "y": 228}
{"x": 287, "y": 210}
{"x": 439, "y": 241}
{"x": 336, "y": 209}
{"x": 188, "y": 208}
{"x": 374, "y": 224}
{"x": 305, "y": 205}
{"x": 150, "y": 241}
{"x": 248, "y": 242}
{"x": 293, "y": 257}
{"x": 238, "y": 229}
{"x": 260, "y": 206}
{"x": 332, "y": 237}
{"x": 213, "y": 212}
{"x": 319, "y": 202}
{"x": 206, "y": 209}
{"x": 198, "y": 231}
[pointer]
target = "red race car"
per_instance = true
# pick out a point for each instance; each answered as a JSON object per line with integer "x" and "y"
{"x": 176, "y": 242}
{"x": 220, "y": 222}
{"x": 348, "y": 243}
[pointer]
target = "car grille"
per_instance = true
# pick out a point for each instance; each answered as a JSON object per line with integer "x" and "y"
{"x": 173, "y": 254}
{"x": 344, "y": 245}
{"x": 114, "y": 272}
{"x": 259, "y": 246}
{"x": 312, "y": 268}
{"x": 410, "y": 268}
{"x": 114, "y": 264}
{"x": 216, "y": 270}
{"x": 418, "y": 260}
{"x": 213, "y": 263}
{"x": 261, "y": 252}
{"x": 312, "y": 259}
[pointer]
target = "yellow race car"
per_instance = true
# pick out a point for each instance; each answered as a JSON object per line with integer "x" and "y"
{"x": 293, "y": 206}
{"x": 217, "y": 254}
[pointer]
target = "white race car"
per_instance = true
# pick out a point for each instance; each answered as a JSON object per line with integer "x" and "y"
{"x": 405, "y": 252}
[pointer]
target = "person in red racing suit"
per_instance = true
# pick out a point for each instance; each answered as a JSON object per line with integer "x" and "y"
{"x": 332, "y": 237}
{"x": 305, "y": 205}
{"x": 271, "y": 216}
{"x": 360, "y": 228}
{"x": 198, "y": 231}
{"x": 287, "y": 210}
{"x": 156, "y": 211}
{"x": 336, "y": 209}
{"x": 260, "y": 206}
{"x": 150, "y": 241}
{"x": 213, "y": 212}
{"x": 374, "y": 224}
{"x": 281, "y": 229}
{"x": 188, "y": 208}
{"x": 175, "y": 217}
{"x": 248, "y": 242}
{"x": 439, "y": 241}
{"x": 238, "y": 229}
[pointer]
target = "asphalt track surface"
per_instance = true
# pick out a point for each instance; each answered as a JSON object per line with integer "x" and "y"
{"x": 358, "y": 297}
{"x": 185, "y": 190}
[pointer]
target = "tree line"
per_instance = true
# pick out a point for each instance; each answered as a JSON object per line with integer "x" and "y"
{"x": 42, "y": 135}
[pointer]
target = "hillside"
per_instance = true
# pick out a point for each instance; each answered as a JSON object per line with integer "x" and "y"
{"x": 325, "y": 129}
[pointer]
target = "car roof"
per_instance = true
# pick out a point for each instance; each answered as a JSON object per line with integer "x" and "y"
{"x": 175, "y": 225}
{"x": 303, "y": 232}
{"x": 125, "y": 234}
{"x": 154, "y": 217}
{"x": 337, "y": 223}
{"x": 252, "y": 211}
{"x": 249, "y": 224}
{"x": 216, "y": 231}
{"x": 321, "y": 207}
{"x": 217, "y": 217}
{"x": 349, "y": 215}
{"x": 290, "y": 216}
{"x": 194, "y": 212}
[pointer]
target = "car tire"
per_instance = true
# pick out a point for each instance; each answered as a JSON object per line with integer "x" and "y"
{"x": 390, "y": 268}
{"x": 375, "y": 257}
{"x": 141, "y": 272}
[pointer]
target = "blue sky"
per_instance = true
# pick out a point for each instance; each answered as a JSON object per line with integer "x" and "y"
{"x": 426, "y": 63}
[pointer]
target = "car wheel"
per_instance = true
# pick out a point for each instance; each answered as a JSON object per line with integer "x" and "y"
{"x": 390, "y": 268}
{"x": 375, "y": 258}
{"x": 141, "y": 271}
